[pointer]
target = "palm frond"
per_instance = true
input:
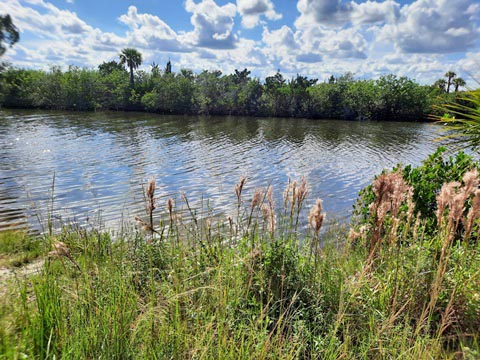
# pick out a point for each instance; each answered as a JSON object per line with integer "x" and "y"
{"x": 462, "y": 121}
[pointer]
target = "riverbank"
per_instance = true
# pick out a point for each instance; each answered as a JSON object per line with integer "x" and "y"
{"x": 250, "y": 287}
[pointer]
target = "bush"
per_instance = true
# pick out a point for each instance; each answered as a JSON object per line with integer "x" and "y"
{"x": 426, "y": 180}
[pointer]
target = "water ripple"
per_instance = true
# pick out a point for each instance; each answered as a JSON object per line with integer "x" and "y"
{"x": 93, "y": 165}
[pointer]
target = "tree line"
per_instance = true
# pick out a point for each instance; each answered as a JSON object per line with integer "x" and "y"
{"x": 119, "y": 85}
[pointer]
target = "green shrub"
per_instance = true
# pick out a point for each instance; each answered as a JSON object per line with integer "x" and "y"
{"x": 426, "y": 180}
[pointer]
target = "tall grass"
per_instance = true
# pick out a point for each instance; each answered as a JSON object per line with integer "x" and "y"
{"x": 252, "y": 287}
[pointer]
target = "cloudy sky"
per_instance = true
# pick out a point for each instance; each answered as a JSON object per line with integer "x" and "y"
{"x": 421, "y": 39}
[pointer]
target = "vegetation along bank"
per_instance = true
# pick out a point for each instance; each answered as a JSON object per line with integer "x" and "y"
{"x": 119, "y": 86}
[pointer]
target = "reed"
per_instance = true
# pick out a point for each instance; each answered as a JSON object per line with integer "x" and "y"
{"x": 186, "y": 287}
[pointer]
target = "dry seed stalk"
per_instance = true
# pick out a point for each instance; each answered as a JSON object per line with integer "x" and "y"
{"x": 239, "y": 188}
{"x": 60, "y": 249}
{"x": 390, "y": 191}
{"x": 268, "y": 210}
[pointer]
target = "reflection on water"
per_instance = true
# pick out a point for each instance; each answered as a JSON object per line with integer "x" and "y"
{"x": 100, "y": 160}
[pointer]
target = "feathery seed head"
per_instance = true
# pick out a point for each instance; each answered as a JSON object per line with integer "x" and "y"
{"x": 316, "y": 217}
{"x": 257, "y": 198}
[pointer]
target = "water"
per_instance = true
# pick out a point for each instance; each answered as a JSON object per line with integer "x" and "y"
{"x": 95, "y": 163}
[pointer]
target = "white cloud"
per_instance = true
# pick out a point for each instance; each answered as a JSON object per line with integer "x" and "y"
{"x": 150, "y": 32}
{"x": 213, "y": 24}
{"x": 282, "y": 38}
{"x": 50, "y": 22}
{"x": 252, "y": 10}
{"x": 470, "y": 67}
{"x": 348, "y": 43}
{"x": 343, "y": 44}
{"x": 368, "y": 38}
{"x": 375, "y": 12}
{"x": 435, "y": 26}
{"x": 324, "y": 12}
{"x": 280, "y": 46}
{"x": 309, "y": 58}
{"x": 337, "y": 13}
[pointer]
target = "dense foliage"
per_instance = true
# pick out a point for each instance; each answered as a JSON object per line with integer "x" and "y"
{"x": 426, "y": 181}
{"x": 115, "y": 87}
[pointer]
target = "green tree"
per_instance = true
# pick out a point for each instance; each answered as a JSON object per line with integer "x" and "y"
{"x": 115, "y": 90}
{"x": 401, "y": 98}
{"x": 450, "y": 75}
{"x": 8, "y": 33}
{"x": 440, "y": 84}
{"x": 155, "y": 70}
{"x": 210, "y": 94}
{"x": 168, "y": 67}
{"x": 132, "y": 58}
{"x": 299, "y": 95}
{"x": 276, "y": 97}
{"x": 20, "y": 87}
{"x": 107, "y": 67}
{"x": 458, "y": 82}
{"x": 361, "y": 98}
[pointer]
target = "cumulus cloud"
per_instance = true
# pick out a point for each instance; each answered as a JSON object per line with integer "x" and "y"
{"x": 347, "y": 43}
{"x": 470, "y": 66}
{"x": 309, "y": 58}
{"x": 252, "y": 10}
{"x": 371, "y": 12}
{"x": 213, "y": 24}
{"x": 149, "y": 31}
{"x": 282, "y": 38}
{"x": 48, "y": 20}
{"x": 343, "y": 43}
{"x": 325, "y": 12}
{"x": 337, "y": 13}
{"x": 435, "y": 26}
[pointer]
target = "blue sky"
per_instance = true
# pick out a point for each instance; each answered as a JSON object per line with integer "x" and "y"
{"x": 421, "y": 39}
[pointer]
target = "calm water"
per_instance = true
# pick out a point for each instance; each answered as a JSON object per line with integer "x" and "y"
{"x": 101, "y": 160}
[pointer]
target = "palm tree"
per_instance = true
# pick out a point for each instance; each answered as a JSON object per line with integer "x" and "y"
{"x": 168, "y": 67}
{"x": 132, "y": 58}
{"x": 463, "y": 124}
{"x": 449, "y": 75}
{"x": 8, "y": 33}
{"x": 440, "y": 84}
{"x": 458, "y": 82}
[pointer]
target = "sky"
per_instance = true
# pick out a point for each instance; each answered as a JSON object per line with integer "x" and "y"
{"x": 421, "y": 39}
